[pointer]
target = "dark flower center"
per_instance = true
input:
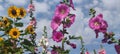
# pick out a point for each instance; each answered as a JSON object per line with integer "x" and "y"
{"x": 14, "y": 33}
{"x": 31, "y": 30}
{"x": 13, "y": 12}
{"x": 21, "y": 12}
{"x": 5, "y": 22}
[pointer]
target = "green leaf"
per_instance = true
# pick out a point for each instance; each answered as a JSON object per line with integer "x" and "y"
{"x": 19, "y": 24}
{"x": 18, "y": 18}
{"x": 29, "y": 48}
{"x": 66, "y": 1}
{"x": 27, "y": 42}
{"x": 11, "y": 21}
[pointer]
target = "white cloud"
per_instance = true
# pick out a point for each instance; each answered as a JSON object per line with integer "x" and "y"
{"x": 77, "y": 1}
{"x": 41, "y": 7}
{"x": 1, "y": 8}
{"x": 92, "y": 5}
{"x": 0, "y": 0}
{"x": 111, "y": 4}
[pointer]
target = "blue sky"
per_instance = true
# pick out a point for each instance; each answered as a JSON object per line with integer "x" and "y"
{"x": 45, "y": 11}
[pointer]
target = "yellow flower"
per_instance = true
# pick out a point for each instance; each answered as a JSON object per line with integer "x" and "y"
{"x": 12, "y": 11}
{"x": 14, "y": 33}
{"x": 30, "y": 29}
{"x": 1, "y": 39}
{"x": 22, "y": 12}
{"x": 1, "y": 23}
{"x": 6, "y": 22}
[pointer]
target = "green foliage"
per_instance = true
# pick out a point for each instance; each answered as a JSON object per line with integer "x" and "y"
{"x": 19, "y": 24}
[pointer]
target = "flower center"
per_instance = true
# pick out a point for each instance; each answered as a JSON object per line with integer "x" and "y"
{"x": 31, "y": 30}
{"x": 68, "y": 20}
{"x": 14, "y": 33}
{"x": 62, "y": 11}
{"x": 13, "y": 12}
{"x": 96, "y": 23}
{"x": 0, "y": 24}
{"x": 5, "y": 22}
{"x": 21, "y": 12}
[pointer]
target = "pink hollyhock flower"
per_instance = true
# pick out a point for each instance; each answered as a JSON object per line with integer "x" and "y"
{"x": 95, "y": 23}
{"x": 54, "y": 52}
{"x": 104, "y": 26}
{"x": 33, "y": 22}
{"x": 28, "y": 10}
{"x": 102, "y": 51}
{"x": 72, "y": 45}
{"x": 117, "y": 48}
{"x": 87, "y": 52}
{"x": 72, "y": 5}
{"x": 56, "y": 21}
{"x": 98, "y": 24}
{"x": 57, "y": 36}
{"x": 31, "y": 7}
{"x": 62, "y": 10}
{"x": 69, "y": 21}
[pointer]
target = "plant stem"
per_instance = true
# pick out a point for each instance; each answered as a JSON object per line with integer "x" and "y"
{"x": 63, "y": 33}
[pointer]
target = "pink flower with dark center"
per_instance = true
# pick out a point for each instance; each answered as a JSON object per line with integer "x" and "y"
{"x": 33, "y": 22}
{"x": 72, "y": 5}
{"x": 95, "y": 23}
{"x": 117, "y": 48}
{"x": 69, "y": 21}
{"x": 102, "y": 51}
{"x": 54, "y": 52}
{"x": 62, "y": 10}
{"x": 98, "y": 24}
{"x": 72, "y": 45}
{"x": 57, "y": 36}
{"x": 56, "y": 21}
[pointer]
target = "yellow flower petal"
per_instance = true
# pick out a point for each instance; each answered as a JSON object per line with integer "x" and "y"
{"x": 21, "y": 12}
{"x": 30, "y": 29}
{"x": 12, "y": 11}
{"x": 1, "y": 39}
{"x": 14, "y": 33}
